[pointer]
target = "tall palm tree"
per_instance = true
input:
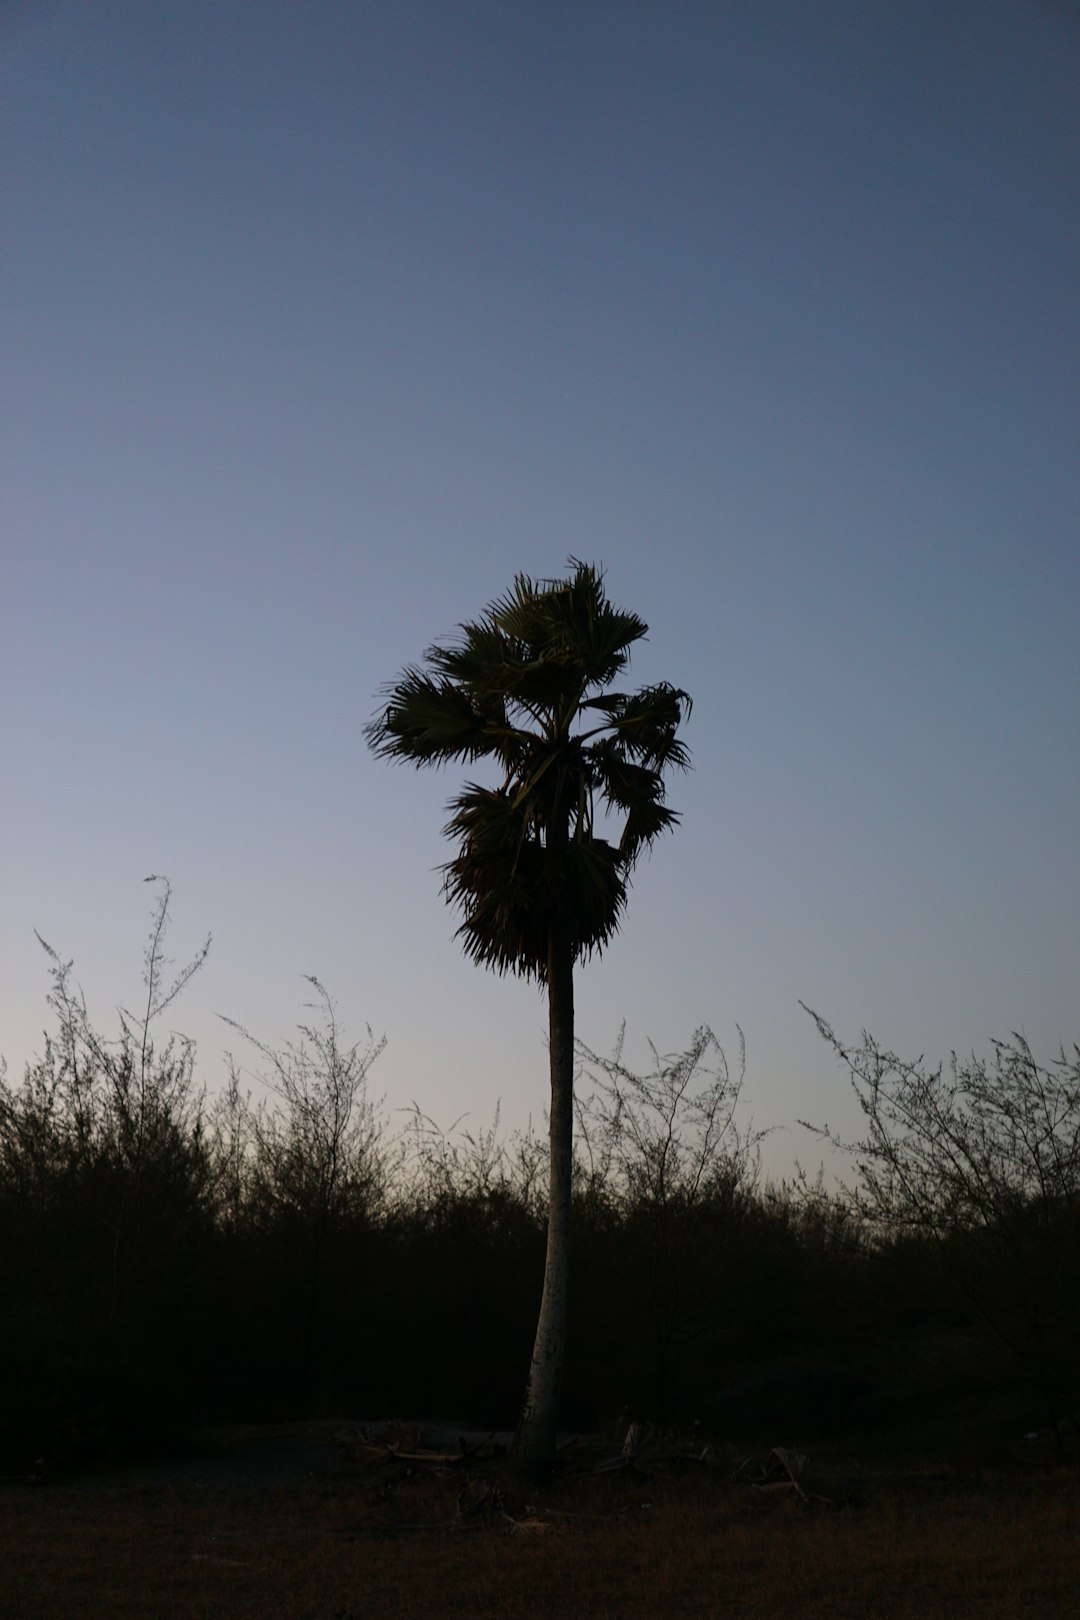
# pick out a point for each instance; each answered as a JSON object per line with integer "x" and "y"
{"x": 537, "y": 879}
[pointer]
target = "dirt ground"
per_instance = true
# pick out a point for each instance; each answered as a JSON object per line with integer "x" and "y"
{"x": 334, "y": 1520}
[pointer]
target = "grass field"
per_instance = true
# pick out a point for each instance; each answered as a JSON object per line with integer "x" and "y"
{"x": 972, "y": 1543}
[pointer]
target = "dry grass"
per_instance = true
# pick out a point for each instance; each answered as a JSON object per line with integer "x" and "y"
{"x": 977, "y": 1546}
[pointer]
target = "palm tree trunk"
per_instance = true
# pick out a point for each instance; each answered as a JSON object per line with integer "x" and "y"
{"x": 534, "y": 1442}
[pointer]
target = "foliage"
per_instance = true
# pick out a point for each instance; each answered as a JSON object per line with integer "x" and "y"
{"x": 982, "y": 1159}
{"x": 965, "y": 1147}
{"x": 664, "y": 1153}
{"x": 442, "y": 1167}
{"x": 525, "y": 687}
{"x": 106, "y": 1203}
{"x": 668, "y": 1137}
{"x": 317, "y": 1153}
{"x": 166, "y": 1257}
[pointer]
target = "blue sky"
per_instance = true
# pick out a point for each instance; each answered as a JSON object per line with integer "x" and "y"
{"x": 321, "y": 322}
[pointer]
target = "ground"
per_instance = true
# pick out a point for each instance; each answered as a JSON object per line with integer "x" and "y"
{"x": 324, "y": 1521}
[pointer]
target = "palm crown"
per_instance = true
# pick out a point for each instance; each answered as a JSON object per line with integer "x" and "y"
{"x": 526, "y": 686}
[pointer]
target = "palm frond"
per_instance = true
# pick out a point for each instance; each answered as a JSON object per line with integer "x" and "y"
{"x": 428, "y": 721}
{"x": 482, "y": 658}
{"x": 647, "y": 722}
{"x": 512, "y": 888}
{"x": 513, "y": 686}
{"x": 643, "y": 825}
{"x": 570, "y": 622}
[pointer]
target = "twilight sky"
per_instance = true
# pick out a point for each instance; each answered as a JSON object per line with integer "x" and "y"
{"x": 319, "y": 322}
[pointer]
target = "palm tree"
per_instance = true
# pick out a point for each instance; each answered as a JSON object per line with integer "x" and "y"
{"x": 539, "y": 884}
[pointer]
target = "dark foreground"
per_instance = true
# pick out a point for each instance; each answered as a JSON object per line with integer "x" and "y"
{"x": 305, "y": 1522}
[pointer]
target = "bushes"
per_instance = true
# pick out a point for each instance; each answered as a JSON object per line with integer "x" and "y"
{"x": 972, "y": 1174}
{"x": 665, "y": 1174}
{"x": 167, "y": 1257}
{"x": 106, "y": 1212}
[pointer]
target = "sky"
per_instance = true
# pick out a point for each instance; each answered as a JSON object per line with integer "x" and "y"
{"x": 320, "y": 323}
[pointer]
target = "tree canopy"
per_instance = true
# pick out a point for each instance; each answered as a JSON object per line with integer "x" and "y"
{"x": 527, "y": 686}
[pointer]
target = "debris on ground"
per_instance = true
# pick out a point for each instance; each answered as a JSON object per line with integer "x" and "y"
{"x": 396, "y": 1448}
{"x": 644, "y": 1448}
{"x": 781, "y": 1471}
{"x": 390, "y": 1453}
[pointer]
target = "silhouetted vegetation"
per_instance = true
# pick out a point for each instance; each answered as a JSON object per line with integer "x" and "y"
{"x": 169, "y": 1256}
{"x": 971, "y": 1174}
